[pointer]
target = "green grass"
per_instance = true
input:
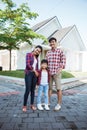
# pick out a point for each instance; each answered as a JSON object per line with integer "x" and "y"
{"x": 20, "y": 74}
{"x": 17, "y": 73}
{"x": 66, "y": 74}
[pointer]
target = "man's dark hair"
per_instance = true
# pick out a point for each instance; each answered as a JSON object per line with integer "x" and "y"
{"x": 38, "y": 46}
{"x": 52, "y": 38}
{"x": 44, "y": 61}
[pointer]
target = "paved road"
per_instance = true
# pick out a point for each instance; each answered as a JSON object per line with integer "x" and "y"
{"x": 72, "y": 116}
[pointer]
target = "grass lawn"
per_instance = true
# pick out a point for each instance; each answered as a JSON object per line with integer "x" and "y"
{"x": 79, "y": 74}
{"x": 20, "y": 74}
{"x": 17, "y": 73}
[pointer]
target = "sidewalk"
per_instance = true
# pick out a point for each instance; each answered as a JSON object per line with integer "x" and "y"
{"x": 66, "y": 83}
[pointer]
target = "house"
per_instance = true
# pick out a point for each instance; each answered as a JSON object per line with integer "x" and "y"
{"x": 68, "y": 38}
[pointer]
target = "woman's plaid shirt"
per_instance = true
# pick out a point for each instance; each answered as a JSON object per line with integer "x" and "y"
{"x": 29, "y": 62}
{"x": 56, "y": 60}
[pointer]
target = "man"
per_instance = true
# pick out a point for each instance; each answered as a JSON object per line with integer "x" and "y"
{"x": 56, "y": 62}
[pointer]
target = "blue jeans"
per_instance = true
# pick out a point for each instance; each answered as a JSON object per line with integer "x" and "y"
{"x": 42, "y": 89}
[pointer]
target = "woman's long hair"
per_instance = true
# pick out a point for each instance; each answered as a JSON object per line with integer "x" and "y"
{"x": 38, "y": 46}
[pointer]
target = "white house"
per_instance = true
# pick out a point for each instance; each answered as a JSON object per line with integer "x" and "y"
{"x": 68, "y": 38}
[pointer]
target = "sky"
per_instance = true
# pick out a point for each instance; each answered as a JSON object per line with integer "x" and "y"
{"x": 68, "y": 12}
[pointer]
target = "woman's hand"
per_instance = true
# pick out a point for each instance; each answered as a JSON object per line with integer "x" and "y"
{"x": 36, "y": 73}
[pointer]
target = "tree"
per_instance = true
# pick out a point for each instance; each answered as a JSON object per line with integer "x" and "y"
{"x": 14, "y": 28}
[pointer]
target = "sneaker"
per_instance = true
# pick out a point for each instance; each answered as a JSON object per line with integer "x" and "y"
{"x": 43, "y": 104}
{"x": 47, "y": 107}
{"x": 49, "y": 104}
{"x": 39, "y": 107}
{"x": 57, "y": 107}
{"x": 24, "y": 109}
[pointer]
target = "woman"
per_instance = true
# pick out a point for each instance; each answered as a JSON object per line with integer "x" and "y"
{"x": 31, "y": 75}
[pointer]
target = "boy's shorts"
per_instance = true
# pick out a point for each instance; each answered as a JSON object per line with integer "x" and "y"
{"x": 56, "y": 78}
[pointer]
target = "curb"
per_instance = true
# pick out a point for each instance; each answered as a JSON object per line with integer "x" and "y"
{"x": 66, "y": 83}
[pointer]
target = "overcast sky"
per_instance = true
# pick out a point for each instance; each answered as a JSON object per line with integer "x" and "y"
{"x": 68, "y": 12}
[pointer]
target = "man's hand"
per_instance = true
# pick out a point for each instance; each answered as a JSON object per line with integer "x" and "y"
{"x": 59, "y": 71}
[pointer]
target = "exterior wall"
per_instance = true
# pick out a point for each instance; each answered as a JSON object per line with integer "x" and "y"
{"x": 72, "y": 41}
{"x": 76, "y": 60}
{"x": 84, "y": 61}
{"x": 79, "y": 40}
{"x": 4, "y": 60}
{"x": 21, "y": 56}
{"x": 14, "y": 60}
{"x": 0, "y": 59}
{"x": 73, "y": 61}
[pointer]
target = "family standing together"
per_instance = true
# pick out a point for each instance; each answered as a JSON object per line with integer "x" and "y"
{"x": 49, "y": 72}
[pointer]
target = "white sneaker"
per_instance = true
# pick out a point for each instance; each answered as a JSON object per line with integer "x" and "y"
{"x": 43, "y": 104}
{"x": 46, "y": 107}
{"x": 49, "y": 104}
{"x": 57, "y": 107}
{"x": 39, "y": 107}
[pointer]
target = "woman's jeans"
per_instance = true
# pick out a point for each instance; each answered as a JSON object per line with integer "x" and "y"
{"x": 42, "y": 90}
{"x": 30, "y": 84}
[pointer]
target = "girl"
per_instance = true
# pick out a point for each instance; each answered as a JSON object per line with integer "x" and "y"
{"x": 43, "y": 81}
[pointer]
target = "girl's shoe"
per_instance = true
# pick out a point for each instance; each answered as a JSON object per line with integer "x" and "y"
{"x": 49, "y": 104}
{"x": 33, "y": 107}
{"x": 24, "y": 109}
{"x": 39, "y": 106}
{"x": 47, "y": 107}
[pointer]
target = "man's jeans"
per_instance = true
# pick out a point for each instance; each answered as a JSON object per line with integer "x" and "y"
{"x": 42, "y": 89}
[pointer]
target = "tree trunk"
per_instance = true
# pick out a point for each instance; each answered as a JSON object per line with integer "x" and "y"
{"x": 10, "y": 60}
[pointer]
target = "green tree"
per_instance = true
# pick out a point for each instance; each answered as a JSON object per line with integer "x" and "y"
{"x": 14, "y": 28}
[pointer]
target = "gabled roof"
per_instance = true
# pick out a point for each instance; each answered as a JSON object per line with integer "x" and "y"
{"x": 60, "y": 34}
{"x": 39, "y": 25}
